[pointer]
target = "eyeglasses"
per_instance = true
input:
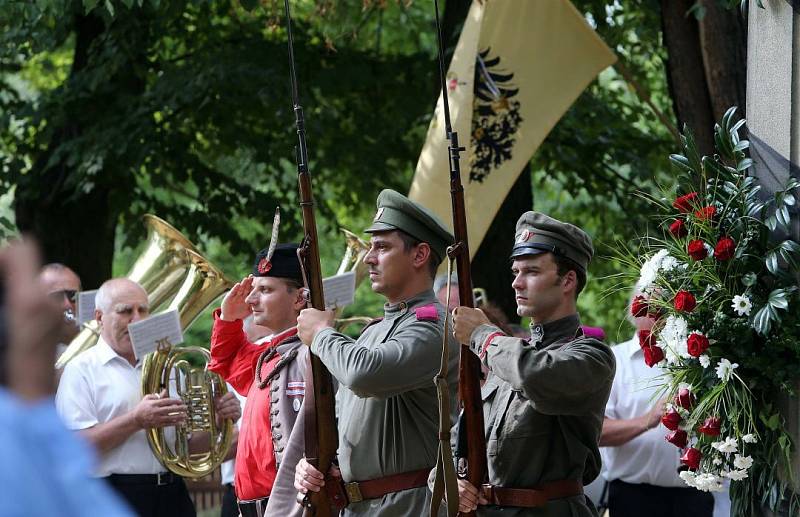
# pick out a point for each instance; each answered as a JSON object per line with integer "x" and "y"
{"x": 70, "y": 294}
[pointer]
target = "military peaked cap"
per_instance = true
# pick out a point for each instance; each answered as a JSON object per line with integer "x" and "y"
{"x": 537, "y": 233}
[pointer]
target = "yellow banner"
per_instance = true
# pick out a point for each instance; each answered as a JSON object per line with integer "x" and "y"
{"x": 518, "y": 66}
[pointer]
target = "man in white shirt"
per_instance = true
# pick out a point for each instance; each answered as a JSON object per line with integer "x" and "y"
{"x": 100, "y": 396}
{"x": 640, "y": 465}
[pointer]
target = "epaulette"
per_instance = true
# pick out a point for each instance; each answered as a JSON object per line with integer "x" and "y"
{"x": 427, "y": 313}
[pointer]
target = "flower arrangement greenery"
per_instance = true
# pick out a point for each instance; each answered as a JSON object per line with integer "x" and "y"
{"x": 720, "y": 280}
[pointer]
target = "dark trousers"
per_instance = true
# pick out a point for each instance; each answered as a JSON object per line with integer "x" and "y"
{"x": 152, "y": 500}
{"x": 637, "y": 500}
{"x": 229, "y": 506}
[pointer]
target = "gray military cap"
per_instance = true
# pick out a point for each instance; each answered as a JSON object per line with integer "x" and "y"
{"x": 397, "y": 212}
{"x": 537, "y": 233}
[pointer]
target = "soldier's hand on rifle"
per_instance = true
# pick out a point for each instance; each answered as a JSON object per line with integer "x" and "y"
{"x": 308, "y": 478}
{"x": 312, "y": 321}
{"x": 234, "y": 306}
{"x": 465, "y": 320}
{"x": 468, "y": 497}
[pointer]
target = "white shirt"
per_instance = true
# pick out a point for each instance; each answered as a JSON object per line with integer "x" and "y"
{"x": 96, "y": 387}
{"x": 648, "y": 458}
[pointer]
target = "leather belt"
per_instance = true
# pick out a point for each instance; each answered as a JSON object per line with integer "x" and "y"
{"x": 253, "y": 507}
{"x": 531, "y": 497}
{"x": 160, "y": 479}
{"x": 374, "y": 488}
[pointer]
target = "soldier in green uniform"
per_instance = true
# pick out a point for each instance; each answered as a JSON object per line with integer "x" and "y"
{"x": 544, "y": 398}
{"x": 388, "y": 413}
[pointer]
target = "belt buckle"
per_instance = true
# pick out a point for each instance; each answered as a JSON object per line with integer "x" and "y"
{"x": 163, "y": 478}
{"x": 488, "y": 492}
{"x": 353, "y": 492}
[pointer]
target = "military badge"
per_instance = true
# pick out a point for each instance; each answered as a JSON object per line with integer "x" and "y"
{"x": 264, "y": 265}
{"x": 524, "y": 236}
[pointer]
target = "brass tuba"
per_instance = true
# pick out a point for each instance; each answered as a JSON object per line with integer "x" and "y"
{"x": 353, "y": 260}
{"x": 192, "y": 382}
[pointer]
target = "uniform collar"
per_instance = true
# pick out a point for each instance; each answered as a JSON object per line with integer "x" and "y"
{"x": 286, "y": 335}
{"x": 543, "y": 335}
{"x": 393, "y": 310}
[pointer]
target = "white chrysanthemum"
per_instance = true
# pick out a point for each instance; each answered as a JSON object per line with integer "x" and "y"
{"x": 725, "y": 369}
{"x": 705, "y": 361}
{"x": 743, "y": 462}
{"x": 688, "y": 477}
{"x": 735, "y": 475}
{"x": 649, "y": 271}
{"x": 727, "y": 446}
{"x": 717, "y": 460}
{"x": 669, "y": 263}
{"x": 749, "y": 438}
{"x": 742, "y": 305}
{"x": 672, "y": 338}
{"x": 708, "y": 482}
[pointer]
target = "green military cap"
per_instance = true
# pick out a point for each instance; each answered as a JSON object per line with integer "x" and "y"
{"x": 397, "y": 212}
{"x": 537, "y": 233}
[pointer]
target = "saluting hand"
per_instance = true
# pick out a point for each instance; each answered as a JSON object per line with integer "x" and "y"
{"x": 468, "y": 497}
{"x": 306, "y": 477}
{"x": 159, "y": 411}
{"x": 311, "y": 321}
{"x": 227, "y": 406}
{"x": 234, "y": 306}
{"x": 465, "y": 321}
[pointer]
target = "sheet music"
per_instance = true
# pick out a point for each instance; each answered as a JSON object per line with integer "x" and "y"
{"x": 86, "y": 305}
{"x": 146, "y": 334}
{"x": 340, "y": 290}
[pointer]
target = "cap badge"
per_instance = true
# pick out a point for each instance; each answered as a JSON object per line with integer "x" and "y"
{"x": 264, "y": 265}
{"x": 378, "y": 214}
{"x": 525, "y": 235}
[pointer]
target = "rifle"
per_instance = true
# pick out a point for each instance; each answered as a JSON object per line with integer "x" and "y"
{"x": 471, "y": 434}
{"x": 321, "y": 439}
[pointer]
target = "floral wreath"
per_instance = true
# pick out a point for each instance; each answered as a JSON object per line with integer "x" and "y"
{"x": 721, "y": 284}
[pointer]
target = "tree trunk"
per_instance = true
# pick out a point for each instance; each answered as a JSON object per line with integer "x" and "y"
{"x": 72, "y": 226}
{"x": 490, "y": 267}
{"x": 685, "y": 72}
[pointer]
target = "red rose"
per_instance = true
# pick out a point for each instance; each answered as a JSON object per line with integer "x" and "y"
{"x": 685, "y": 202}
{"x": 684, "y": 399}
{"x": 646, "y": 338}
{"x": 691, "y": 458}
{"x": 678, "y": 438}
{"x": 724, "y": 249}
{"x": 684, "y": 301}
{"x": 705, "y": 213}
{"x": 652, "y": 355}
{"x": 697, "y": 249}
{"x": 671, "y": 419}
{"x": 639, "y": 307}
{"x": 698, "y": 344}
{"x": 711, "y": 426}
{"x": 678, "y": 229}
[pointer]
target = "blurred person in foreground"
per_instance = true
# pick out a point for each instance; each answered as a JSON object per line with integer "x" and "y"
{"x": 46, "y": 470}
{"x": 100, "y": 397}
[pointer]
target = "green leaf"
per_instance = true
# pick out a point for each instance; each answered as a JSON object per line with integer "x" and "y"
{"x": 249, "y": 5}
{"x": 782, "y": 215}
{"x": 789, "y": 200}
{"x": 744, "y": 164}
{"x": 772, "y": 262}
{"x": 681, "y": 161}
{"x": 88, "y": 5}
{"x": 110, "y": 7}
{"x": 771, "y": 222}
{"x": 773, "y": 422}
{"x": 779, "y": 298}
{"x": 742, "y": 145}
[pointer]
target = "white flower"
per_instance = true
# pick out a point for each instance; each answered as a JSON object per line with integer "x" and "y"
{"x": 725, "y": 369}
{"x": 708, "y": 482}
{"x": 709, "y": 249}
{"x": 727, "y": 446}
{"x": 736, "y": 475}
{"x": 705, "y": 362}
{"x": 742, "y": 305}
{"x": 669, "y": 263}
{"x": 649, "y": 271}
{"x": 688, "y": 477}
{"x": 717, "y": 461}
{"x": 742, "y": 462}
{"x": 749, "y": 438}
{"x": 672, "y": 338}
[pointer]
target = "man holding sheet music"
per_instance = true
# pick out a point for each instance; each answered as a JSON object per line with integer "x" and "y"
{"x": 271, "y": 374}
{"x": 100, "y": 396}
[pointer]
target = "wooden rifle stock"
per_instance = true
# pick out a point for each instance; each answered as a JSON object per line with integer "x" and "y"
{"x": 321, "y": 439}
{"x": 469, "y": 372}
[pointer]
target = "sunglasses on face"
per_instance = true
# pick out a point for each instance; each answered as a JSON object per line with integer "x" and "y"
{"x": 70, "y": 294}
